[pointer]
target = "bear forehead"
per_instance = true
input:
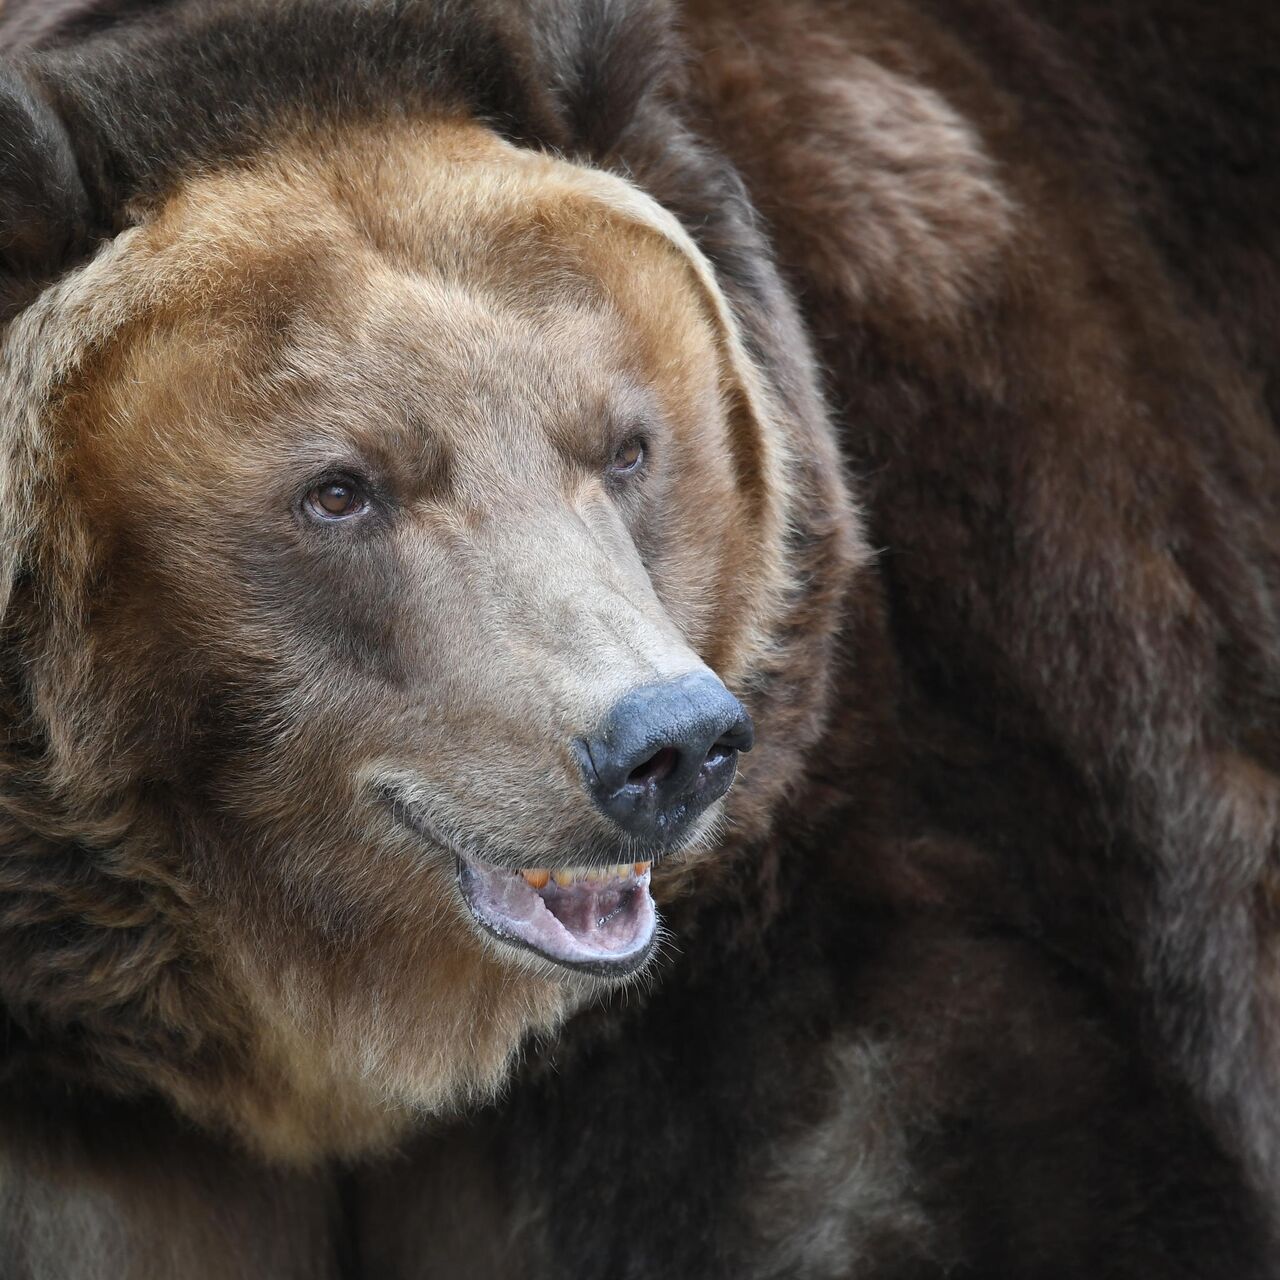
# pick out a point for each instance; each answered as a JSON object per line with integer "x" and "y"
{"x": 382, "y": 277}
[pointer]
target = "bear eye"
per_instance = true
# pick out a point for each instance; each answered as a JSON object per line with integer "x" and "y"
{"x": 336, "y": 500}
{"x": 628, "y": 457}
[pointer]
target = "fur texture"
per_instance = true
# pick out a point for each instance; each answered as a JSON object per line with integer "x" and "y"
{"x": 976, "y": 977}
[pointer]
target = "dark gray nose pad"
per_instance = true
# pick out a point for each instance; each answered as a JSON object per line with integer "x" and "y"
{"x": 664, "y": 753}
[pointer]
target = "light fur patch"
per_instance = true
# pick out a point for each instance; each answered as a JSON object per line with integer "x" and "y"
{"x": 890, "y": 195}
{"x": 848, "y": 1179}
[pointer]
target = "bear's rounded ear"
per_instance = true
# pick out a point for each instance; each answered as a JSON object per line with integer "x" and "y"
{"x": 45, "y": 211}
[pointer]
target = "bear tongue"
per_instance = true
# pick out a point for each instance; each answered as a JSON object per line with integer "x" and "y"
{"x": 605, "y": 926}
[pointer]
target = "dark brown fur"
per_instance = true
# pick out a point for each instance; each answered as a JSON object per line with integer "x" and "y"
{"x": 982, "y": 981}
{"x": 1085, "y": 434}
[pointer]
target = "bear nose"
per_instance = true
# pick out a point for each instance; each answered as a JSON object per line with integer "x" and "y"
{"x": 664, "y": 753}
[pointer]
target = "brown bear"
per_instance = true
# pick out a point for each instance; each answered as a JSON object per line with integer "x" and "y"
{"x": 641, "y": 640}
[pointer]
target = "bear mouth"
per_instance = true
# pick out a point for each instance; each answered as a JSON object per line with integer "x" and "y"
{"x": 593, "y": 920}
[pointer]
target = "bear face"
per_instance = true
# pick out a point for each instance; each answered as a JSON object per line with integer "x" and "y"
{"x": 377, "y": 508}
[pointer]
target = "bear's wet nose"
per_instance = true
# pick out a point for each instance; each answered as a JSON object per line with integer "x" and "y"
{"x": 664, "y": 753}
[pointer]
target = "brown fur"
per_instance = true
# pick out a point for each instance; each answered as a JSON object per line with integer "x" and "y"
{"x": 1104, "y": 462}
{"x": 974, "y": 974}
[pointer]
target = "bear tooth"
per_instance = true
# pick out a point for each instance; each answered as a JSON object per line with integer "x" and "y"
{"x": 538, "y": 877}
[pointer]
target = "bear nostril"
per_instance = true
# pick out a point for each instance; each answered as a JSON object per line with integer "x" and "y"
{"x": 660, "y": 765}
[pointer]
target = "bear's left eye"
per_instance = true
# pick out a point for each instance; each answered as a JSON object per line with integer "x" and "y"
{"x": 628, "y": 457}
{"x": 336, "y": 500}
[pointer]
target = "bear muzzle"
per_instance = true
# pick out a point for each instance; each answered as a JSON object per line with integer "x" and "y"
{"x": 662, "y": 756}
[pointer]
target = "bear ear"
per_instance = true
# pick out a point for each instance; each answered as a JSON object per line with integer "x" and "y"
{"x": 44, "y": 208}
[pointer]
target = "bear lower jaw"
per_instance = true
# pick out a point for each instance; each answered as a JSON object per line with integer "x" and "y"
{"x": 601, "y": 923}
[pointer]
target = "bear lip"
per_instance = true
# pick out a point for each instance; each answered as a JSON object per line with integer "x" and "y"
{"x": 606, "y": 927}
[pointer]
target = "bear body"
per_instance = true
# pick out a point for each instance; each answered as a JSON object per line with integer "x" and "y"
{"x": 960, "y": 318}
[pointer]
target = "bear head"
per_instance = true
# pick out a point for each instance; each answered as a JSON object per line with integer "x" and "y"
{"x": 400, "y": 535}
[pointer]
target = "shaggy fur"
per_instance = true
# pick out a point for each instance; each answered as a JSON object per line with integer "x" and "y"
{"x": 978, "y": 976}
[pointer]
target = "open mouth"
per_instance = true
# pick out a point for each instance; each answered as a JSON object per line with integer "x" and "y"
{"x": 600, "y": 921}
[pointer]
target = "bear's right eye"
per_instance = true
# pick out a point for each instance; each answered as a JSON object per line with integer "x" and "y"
{"x": 336, "y": 500}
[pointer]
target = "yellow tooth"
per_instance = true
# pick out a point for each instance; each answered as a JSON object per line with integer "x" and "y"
{"x": 622, "y": 870}
{"x": 538, "y": 877}
{"x": 595, "y": 875}
{"x": 563, "y": 878}
{"x": 642, "y": 867}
